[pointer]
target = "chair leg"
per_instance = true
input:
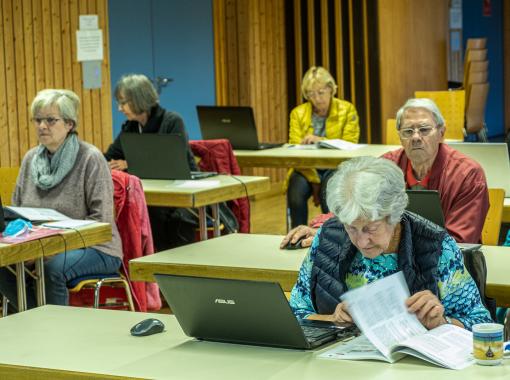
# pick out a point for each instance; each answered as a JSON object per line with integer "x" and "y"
{"x": 128, "y": 295}
{"x": 5, "y": 303}
{"x": 97, "y": 289}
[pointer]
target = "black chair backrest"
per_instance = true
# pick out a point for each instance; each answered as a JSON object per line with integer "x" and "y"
{"x": 474, "y": 261}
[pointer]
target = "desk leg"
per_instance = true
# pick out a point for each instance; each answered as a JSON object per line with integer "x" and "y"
{"x": 202, "y": 222}
{"x": 21, "y": 288}
{"x": 39, "y": 281}
{"x": 216, "y": 216}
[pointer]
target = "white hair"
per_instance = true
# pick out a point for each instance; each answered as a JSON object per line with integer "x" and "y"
{"x": 425, "y": 103}
{"x": 367, "y": 188}
{"x": 66, "y": 101}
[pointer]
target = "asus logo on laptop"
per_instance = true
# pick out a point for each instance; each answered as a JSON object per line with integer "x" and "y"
{"x": 225, "y": 302}
{"x": 226, "y": 121}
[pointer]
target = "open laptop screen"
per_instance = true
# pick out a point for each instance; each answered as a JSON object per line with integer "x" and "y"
{"x": 427, "y": 204}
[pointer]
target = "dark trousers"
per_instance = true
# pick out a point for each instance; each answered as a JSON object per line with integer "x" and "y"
{"x": 171, "y": 227}
{"x": 298, "y": 193}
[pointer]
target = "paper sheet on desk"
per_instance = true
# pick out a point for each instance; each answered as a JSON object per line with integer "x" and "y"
{"x": 198, "y": 184}
{"x": 69, "y": 224}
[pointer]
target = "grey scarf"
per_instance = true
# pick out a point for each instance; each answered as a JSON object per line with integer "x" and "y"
{"x": 49, "y": 172}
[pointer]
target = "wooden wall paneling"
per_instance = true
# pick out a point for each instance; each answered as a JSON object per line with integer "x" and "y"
{"x": 105, "y": 93}
{"x": 325, "y": 34}
{"x": 298, "y": 48}
{"x": 10, "y": 77}
{"x": 368, "y": 121}
{"x": 76, "y": 66}
{"x": 56, "y": 41}
{"x": 233, "y": 54}
{"x": 351, "y": 54}
{"x": 312, "y": 60}
{"x": 245, "y": 51}
{"x": 4, "y": 122}
{"x": 506, "y": 60}
{"x": 47, "y": 44}
{"x": 220, "y": 66}
{"x": 37, "y": 20}
{"x": 21, "y": 77}
{"x": 28, "y": 36}
{"x": 67, "y": 35}
{"x": 95, "y": 101}
{"x": 406, "y": 66}
{"x": 339, "y": 38}
{"x": 86, "y": 100}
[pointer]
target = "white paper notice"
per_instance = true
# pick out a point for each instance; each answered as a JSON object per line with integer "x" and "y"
{"x": 89, "y": 45}
{"x": 197, "y": 184}
{"x": 89, "y": 22}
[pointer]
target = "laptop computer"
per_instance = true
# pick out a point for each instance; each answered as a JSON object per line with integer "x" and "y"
{"x": 236, "y": 124}
{"x": 241, "y": 311}
{"x": 158, "y": 156}
{"x": 427, "y": 204}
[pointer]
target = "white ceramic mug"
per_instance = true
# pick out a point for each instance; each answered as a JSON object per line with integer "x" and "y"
{"x": 488, "y": 343}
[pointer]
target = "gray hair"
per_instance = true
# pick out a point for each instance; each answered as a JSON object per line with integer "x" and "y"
{"x": 425, "y": 103}
{"x": 138, "y": 91}
{"x": 317, "y": 74}
{"x": 367, "y": 188}
{"x": 67, "y": 102}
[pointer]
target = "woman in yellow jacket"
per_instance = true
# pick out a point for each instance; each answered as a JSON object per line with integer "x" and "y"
{"x": 322, "y": 117}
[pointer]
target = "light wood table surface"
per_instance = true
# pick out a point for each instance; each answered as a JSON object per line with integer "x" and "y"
{"x": 17, "y": 254}
{"x": 171, "y": 193}
{"x": 57, "y": 342}
{"x": 258, "y": 257}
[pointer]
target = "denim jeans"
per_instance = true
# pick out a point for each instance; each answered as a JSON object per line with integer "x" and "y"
{"x": 298, "y": 193}
{"x": 58, "y": 271}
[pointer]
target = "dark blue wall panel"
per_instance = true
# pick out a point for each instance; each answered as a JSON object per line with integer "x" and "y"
{"x": 168, "y": 38}
{"x": 476, "y": 25}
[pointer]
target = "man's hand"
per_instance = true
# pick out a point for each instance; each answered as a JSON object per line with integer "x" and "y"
{"x": 310, "y": 139}
{"x": 296, "y": 233}
{"x": 428, "y": 309}
{"x": 118, "y": 164}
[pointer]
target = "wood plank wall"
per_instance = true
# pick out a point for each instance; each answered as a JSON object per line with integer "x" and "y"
{"x": 38, "y": 51}
{"x": 251, "y": 65}
{"x": 506, "y": 60}
{"x": 412, "y": 44}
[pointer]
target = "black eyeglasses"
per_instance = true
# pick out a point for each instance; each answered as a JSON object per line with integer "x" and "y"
{"x": 50, "y": 121}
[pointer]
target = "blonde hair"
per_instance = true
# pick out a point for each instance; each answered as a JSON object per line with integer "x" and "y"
{"x": 317, "y": 74}
{"x": 67, "y": 102}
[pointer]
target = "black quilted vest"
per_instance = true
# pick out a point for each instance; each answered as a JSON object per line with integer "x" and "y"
{"x": 418, "y": 255}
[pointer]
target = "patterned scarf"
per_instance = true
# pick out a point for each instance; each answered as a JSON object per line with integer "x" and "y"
{"x": 49, "y": 172}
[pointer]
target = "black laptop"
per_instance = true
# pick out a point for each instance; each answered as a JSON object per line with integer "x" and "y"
{"x": 236, "y": 124}
{"x": 427, "y": 204}
{"x": 245, "y": 312}
{"x": 158, "y": 156}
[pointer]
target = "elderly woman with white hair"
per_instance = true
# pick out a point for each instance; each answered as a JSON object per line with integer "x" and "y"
{"x": 371, "y": 237}
{"x": 72, "y": 177}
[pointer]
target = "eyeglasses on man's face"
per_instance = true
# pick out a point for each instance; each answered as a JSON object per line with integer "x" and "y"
{"x": 50, "y": 120}
{"x": 319, "y": 93}
{"x": 424, "y": 130}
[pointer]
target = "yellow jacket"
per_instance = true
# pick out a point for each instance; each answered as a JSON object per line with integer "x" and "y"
{"x": 342, "y": 123}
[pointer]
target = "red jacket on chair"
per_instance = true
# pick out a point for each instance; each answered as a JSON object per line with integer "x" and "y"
{"x": 132, "y": 220}
{"x": 217, "y": 156}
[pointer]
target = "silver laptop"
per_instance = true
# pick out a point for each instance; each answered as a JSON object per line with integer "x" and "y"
{"x": 158, "y": 156}
{"x": 236, "y": 124}
{"x": 245, "y": 312}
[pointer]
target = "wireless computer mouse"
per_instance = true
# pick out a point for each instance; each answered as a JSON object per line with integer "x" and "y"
{"x": 147, "y": 327}
{"x": 296, "y": 245}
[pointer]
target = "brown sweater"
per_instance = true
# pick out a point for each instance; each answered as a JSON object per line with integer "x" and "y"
{"x": 86, "y": 192}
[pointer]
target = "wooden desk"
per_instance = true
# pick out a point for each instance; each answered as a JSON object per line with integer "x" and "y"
{"x": 258, "y": 257}
{"x": 171, "y": 194}
{"x": 17, "y": 254}
{"x": 285, "y": 157}
{"x": 57, "y": 342}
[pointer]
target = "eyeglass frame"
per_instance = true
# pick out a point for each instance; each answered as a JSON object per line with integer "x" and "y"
{"x": 318, "y": 93}
{"x": 419, "y": 130}
{"x": 50, "y": 121}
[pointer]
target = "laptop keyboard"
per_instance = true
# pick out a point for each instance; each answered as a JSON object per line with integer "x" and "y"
{"x": 200, "y": 175}
{"x": 313, "y": 334}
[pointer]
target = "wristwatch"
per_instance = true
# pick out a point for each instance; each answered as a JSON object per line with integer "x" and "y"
{"x": 448, "y": 319}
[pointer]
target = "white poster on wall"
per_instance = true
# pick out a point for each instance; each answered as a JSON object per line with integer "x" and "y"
{"x": 89, "y": 45}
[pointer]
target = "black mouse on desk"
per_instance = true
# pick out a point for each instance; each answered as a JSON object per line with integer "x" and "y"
{"x": 296, "y": 245}
{"x": 147, "y": 327}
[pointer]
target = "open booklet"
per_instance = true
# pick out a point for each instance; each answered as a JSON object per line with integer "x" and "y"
{"x": 34, "y": 214}
{"x": 390, "y": 331}
{"x": 330, "y": 144}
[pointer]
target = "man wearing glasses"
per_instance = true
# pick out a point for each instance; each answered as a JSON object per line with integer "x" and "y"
{"x": 429, "y": 164}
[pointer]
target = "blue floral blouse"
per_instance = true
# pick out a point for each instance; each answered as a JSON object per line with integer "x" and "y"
{"x": 457, "y": 290}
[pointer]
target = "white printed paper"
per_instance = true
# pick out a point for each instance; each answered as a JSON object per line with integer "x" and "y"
{"x": 193, "y": 184}
{"x": 89, "y": 45}
{"x": 89, "y": 22}
{"x": 69, "y": 224}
